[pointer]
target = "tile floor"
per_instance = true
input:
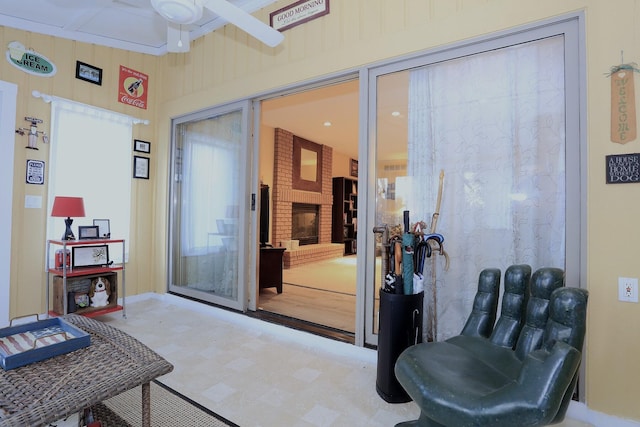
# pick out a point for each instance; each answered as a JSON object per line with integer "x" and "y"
{"x": 255, "y": 373}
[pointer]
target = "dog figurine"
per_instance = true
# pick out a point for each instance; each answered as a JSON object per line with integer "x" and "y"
{"x": 99, "y": 292}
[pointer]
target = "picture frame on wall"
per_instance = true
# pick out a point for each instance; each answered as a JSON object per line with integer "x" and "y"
{"x": 35, "y": 172}
{"x": 353, "y": 168}
{"x": 141, "y": 167}
{"x": 88, "y": 73}
{"x": 141, "y": 146}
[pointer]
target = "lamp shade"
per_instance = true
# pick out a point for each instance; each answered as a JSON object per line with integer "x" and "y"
{"x": 68, "y": 207}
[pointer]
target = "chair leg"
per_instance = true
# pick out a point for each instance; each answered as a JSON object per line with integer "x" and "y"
{"x": 423, "y": 421}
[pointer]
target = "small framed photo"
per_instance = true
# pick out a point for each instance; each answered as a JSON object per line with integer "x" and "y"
{"x": 140, "y": 167}
{"x": 88, "y": 232}
{"x": 141, "y": 146}
{"x": 90, "y": 256}
{"x": 88, "y": 73}
{"x": 353, "y": 169}
{"x": 104, "y": 228}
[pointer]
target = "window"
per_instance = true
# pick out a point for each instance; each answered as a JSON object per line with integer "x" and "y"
{"x": 91, "y": 158}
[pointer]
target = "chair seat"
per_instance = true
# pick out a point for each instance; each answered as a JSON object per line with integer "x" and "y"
{"x": 451, "y": 371}
{"x": 455, "y": 387}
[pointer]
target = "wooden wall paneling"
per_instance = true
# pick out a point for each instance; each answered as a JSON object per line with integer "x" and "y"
{"x": 199, "y": 59}
{"x": 394, "y": 17}
{"x": 371, "y": 19}
{"x": 419, "y": 12}
{"x": 348, "y": 19}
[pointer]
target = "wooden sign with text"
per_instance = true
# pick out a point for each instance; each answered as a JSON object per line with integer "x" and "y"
{"x": 623, "y": 106}
{"x": 298, "y": 13}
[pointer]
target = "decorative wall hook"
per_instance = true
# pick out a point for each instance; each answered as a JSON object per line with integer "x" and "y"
{"x": 33, "y": 132}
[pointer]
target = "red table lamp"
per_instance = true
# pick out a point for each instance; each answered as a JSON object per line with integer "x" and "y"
{"x": 68, "y": 207}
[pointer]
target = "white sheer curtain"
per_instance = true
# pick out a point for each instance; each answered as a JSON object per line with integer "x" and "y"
{"x": 90, "y": 157}
{"x": 494, "y": 122}
{"x": 210, "y": 153}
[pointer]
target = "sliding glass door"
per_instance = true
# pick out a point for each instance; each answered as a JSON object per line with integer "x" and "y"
{"x": 209, "y": 212}
{"x": 480, "y": 145}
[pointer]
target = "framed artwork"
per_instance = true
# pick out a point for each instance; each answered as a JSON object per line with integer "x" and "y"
{"x": 140, "y": 167}
{"x": 89, "y": 256}
{"x": 88, "y": 73}
{"x": 35, "y": 172}
{"x": 104, "y": 228}
{"x": 141, "y": 146}
{"x": 88, "y": 232}
{"x": 353, "y": 169}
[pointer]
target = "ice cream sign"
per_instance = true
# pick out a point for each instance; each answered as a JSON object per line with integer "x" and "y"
{"x": 29, "y": 61}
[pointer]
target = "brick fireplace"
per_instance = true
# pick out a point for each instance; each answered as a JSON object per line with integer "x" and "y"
{"x": 284, "y": 196}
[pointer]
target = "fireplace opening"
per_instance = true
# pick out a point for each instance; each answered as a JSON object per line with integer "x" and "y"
{"x": 305, "y": 223}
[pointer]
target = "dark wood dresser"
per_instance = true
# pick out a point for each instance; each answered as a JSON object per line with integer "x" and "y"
{"x": 271, "y": 268}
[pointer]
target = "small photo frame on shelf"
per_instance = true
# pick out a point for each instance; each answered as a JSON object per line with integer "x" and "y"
{"x": 88, "y": 232}
{"x": 104, "y": 228}
{"x": 90, "y": 256}
{"x": 141, "y": 146}
{"x": 88, "y": 73}
{"x": 140, "y": 167}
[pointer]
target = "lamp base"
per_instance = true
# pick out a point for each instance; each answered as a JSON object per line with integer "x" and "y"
{"x": 68, "y": 233}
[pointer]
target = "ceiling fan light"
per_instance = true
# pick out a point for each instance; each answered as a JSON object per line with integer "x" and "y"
{"x": 179, "y": 11}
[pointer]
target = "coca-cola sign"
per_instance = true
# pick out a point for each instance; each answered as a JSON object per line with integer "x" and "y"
{"x": 133, "y": 87}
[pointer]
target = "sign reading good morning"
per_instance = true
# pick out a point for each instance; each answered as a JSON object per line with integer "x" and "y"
{"x": 623, "y": 168}
{"x": 298, "y": 13}
{"x": 29, "y": 61}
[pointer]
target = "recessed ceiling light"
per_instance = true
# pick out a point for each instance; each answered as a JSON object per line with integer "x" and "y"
{"x": 395, "y": 113}
{"x": 327, "y": 124}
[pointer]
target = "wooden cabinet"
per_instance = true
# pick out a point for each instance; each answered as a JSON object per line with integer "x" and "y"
{"x": 73, "y": 267}
{"x": 271, "y": 268}
{"x": 344, "y": 218}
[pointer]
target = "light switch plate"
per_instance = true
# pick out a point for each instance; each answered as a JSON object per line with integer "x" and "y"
{"x": 628, "y": 289}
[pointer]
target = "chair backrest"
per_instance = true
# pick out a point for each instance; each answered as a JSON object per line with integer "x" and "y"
{"x": 568, "y": 323}
{"x": 567, "y": 317}
{"x": 485, "y": 305}
{"x": 543, "y": 282}
{"x": 514, "y": 302}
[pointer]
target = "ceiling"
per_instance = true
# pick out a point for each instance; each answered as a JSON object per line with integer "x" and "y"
{"x": 134, "y": 25}
{"x": 124, "y": 24}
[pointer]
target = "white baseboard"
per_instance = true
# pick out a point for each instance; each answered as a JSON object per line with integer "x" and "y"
{"x": 581, "y": 412}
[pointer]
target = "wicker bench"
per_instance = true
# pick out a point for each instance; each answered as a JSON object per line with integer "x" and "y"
{"x": 55, "y": 388}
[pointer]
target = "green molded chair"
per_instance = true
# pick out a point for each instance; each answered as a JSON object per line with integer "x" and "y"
{"x": 523, "y": 374}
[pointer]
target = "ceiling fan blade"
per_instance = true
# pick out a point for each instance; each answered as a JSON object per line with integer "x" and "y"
{"x": 178, "y": 39}
{"x": 245, "y": 21}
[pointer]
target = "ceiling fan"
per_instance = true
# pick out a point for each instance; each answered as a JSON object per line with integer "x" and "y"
{"x": 180, "y": 13}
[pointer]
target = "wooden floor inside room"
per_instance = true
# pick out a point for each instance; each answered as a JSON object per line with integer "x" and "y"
{"x": 332, "y": 309}
{"x": 321, "y": 293}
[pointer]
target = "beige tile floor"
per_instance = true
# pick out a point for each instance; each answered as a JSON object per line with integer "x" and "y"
{"x": 255, "y": 373}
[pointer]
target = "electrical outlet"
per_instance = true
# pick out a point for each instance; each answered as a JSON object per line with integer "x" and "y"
{"x": 628, "y": 289}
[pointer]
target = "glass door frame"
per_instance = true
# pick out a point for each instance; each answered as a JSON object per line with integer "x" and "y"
{"x": 572, "y": 28}
{"x": 245, "y": 249}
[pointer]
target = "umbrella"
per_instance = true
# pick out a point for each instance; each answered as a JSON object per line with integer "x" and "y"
{"x": 398, "y": 261}
{"x": 408, "y": 240}
{"x": 391, "y": 278}
{"x": 422, "y": 252}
